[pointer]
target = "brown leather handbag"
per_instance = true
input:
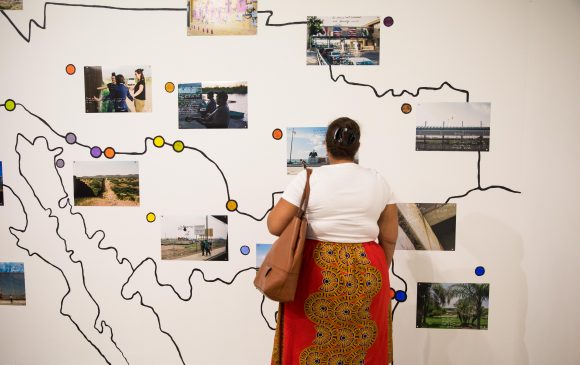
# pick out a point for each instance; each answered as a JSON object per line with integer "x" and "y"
{"x": 277, "y": 277}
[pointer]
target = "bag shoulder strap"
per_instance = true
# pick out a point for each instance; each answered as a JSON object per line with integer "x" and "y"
{"x": 305, "y": 195}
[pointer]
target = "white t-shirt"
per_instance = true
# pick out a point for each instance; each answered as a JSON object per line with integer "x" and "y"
{"x": 346, "y": 201}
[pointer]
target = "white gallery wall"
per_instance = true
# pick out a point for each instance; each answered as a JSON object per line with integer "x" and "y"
{"x": 97, "y": 290}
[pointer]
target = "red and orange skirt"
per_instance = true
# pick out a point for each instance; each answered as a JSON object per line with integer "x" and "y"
{"x": 341, "y": 314}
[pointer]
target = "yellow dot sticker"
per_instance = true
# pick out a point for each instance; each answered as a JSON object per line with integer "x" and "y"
{"x": 232, "y": 205}
{"x": 150, "y": 217}
{"x": 178, "y": 146}
{"x": 10, "y": 105}
{"x": 158, "y": 141}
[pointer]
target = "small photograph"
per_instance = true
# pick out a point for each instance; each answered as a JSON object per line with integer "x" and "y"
{"x": 194, "y": 237}
{"x": 452, "y": 126}
{"x": 343, "y": 40}
{"x": 10, "y": 4}
{"x": 306, "y": 148}
{"x": 1, "y": 186}
{"x": 12, "y": 289}
{"x": 213, "y": 105}
{"x": 452, "y": 306}
{"x": 426, "y": 226}
{"x": 119, "y": 89}
{"x": 262, "y": 250}
{"x": 222, "y": 17}
{"x": 110, "y": 183}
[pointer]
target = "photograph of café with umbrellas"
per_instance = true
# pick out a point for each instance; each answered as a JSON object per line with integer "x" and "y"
{"x": 343, "y": 40}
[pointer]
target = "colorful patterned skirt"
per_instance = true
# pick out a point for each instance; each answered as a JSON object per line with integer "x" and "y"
{"x": 341, "y": 314}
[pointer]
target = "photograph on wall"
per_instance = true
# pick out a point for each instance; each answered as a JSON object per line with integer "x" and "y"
{"x": 12, "y": 288}
{"x": 213, "y": 105}
{"x": 107, "y": 183}
{"x": 452, "y": 305}
{"x": 119, "y": 89}
{"x": 262, "y": 250}
{"x": 10, "y": 4}
{"x": 1, "y": 186}
{"x": 306, "y": 147}
{"x": 452, "y": 126}
{"x": 194, "y": 237}
{"x": 343, "y": 40}
{"x": 222, "y": 17}
{"x": 426, "y": 226}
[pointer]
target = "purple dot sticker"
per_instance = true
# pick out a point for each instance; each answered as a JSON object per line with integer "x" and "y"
{"x": 96, "y": 152}
{"x": 245, "y": 250}
{"x": 388, "y": 21}
{"x": 60, "y": 163}
{"x": 71, "y": 138}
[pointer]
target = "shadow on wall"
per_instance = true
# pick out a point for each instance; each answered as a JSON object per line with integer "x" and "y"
{"x": 488, "y": 242}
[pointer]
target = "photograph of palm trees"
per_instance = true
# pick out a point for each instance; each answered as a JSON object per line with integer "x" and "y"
{"x": 452, "y": 126}
{"x": 452, "y": 306}
{"x": 426, "y": 226}
{"x": 343, "y": 40}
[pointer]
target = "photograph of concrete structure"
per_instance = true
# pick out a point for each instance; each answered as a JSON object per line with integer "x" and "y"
{"x": 453, "y": 305}
{"x": 426, "y": 226}
{"x": 213, "y": 105}
{"x": 194, "y": 237}
{"x": 305, "y": 148}
{"x": 10, "y": 4}
{"x": 262, "y": 250}
{"x": 452, "y": 126}
{"x": 12, "y": 287}
{"x": 222, "y": 17}
{"x": 1, "y": 185}
{"x": 107, "y": 183}
{"x": 343, "y": 40}
{"x": 118, "y": 89}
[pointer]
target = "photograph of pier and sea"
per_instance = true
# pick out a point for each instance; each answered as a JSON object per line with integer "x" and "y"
{"x": 453, "y": 126}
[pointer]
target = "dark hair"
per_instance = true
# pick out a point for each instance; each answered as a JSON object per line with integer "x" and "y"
{"x": 210, "y": 94}
{"x": 113, "y": 74}
{"x": 120, "y": 79}
{"x": 139, "y": 72}
{"x": 343, "y": 138}
{"x": 222, "y": 96}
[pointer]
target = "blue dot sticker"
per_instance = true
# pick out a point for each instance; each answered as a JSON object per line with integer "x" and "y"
{"x": 245, "y": 250}
{"x": 400, "y": 296}
{"x": 480, "y": 271}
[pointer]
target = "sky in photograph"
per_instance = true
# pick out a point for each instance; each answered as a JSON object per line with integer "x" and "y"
{"x": 170, "y": 226}
{"x": 471, "y": 114}
{"x": 11, "y": 267}
{"x": 347, "y": 21}
{"x": 95, "y": 168}
{"x": 0, "y": 168}
{"x": 305, "y": 139}
{"x": 127, "y": 71}
{"x": 261, "y": 251}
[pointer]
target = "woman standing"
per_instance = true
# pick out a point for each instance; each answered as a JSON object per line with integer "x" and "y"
{"x": 121, "y": 94}
{"x": 139, "y": 93}
{"x": 341, "y": 311}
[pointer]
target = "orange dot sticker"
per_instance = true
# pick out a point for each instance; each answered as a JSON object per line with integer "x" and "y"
{"x": 109, "y": 152}
{"x": 71, "y": 69}
{"x": 169, "y": 87}
{"x": 277, "y": 134}
{"x": 406, "y": 108}
{"x": 232, "y": 205}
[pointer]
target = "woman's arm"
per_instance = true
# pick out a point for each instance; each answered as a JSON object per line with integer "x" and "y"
{"x": 280, "y": 216}
{"x": 388, "y": 230}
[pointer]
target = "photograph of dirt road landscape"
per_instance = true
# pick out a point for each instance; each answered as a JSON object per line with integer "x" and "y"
{"x": 106, "y": 183}
{"x": 10, "y": 4}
